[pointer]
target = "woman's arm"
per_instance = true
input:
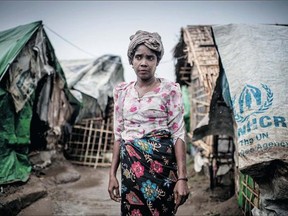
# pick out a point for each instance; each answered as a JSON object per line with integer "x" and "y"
{"x": 177, "y": 127}
{"x": 181, "y": 190}
{"x": 113, "y": 187}
{"x": 180, "y": 153}
{"x": 115, "y": 159}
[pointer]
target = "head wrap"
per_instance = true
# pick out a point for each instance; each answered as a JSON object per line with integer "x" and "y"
{"x": 150, "y": 40}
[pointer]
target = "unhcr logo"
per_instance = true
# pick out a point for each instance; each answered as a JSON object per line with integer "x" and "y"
{"x": 251, "y": 102}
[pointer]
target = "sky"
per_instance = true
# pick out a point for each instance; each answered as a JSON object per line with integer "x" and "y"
{"x": 90, "y": 29}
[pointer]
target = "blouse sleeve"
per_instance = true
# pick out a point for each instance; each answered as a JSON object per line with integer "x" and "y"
{"x": 176, "y": 113}
{"x": 118, "y": 111}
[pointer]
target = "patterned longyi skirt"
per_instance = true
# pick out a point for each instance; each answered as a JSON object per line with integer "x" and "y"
{"x": 148, "y": 175}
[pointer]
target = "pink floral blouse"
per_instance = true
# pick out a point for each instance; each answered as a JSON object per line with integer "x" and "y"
{"x": 160, "y": 109}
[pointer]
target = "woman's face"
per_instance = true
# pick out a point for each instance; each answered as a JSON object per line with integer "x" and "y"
{"x": 144, "y": 62}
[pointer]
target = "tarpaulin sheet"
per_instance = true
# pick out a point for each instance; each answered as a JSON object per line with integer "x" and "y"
{"x": 255, "y": 61}
{"x": 14, "y": 140}
{"x": 12, "y": 41}
{"x": 95, "y": 78}
{"x": 26, "y": 56}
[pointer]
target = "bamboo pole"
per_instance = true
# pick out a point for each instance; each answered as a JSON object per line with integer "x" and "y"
{"x": 99, "y": 145}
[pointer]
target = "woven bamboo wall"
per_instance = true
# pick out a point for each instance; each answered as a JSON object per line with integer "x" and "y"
{"x": 202, "y": 57}
{"x": 91, "y": 143}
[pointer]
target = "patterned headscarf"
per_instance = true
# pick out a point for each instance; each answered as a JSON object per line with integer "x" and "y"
{"x": 150, "y": 40}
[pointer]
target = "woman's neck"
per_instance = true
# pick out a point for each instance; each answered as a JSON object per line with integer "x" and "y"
{"x": 146, "y": 83}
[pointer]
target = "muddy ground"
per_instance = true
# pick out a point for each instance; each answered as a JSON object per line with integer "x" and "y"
{"x": 89, "y": 196}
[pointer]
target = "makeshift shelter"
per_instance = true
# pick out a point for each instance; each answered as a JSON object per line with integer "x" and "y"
{"x": 211, "y": 124}
{"x": 197, "y": 68}
{"x": 248, "y": 105}
{"x": 92, "y": 82}
{"x": 35, "y": 101}
{"x": 255, "y": 59}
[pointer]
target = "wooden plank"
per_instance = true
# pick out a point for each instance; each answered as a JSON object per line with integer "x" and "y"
{"x": 201, "y": 114}
{"x": 84, "y": 139}
{"x": 208, "y": 64}
{"x": 93, "y": 129}
{"x": 185, "y": 68}
{"x": 185, "y": 78}
{"x": 106, "y": 136}
{"x": 90, "y": 164}
{"x": 203, "y": 96}
{"x": 94, "y": 141}
{"x": 184, "y": 72}
{"x": 99, "y": 145}
{"x": 88, "y": 141}
{"x": 201, "y": 102}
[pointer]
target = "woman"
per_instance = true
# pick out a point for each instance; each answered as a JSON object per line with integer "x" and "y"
{"x": 149, "y": 136}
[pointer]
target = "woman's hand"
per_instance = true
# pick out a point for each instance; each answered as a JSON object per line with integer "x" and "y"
{"x": 113, "y": 189}
{"x": 181, "y": 193}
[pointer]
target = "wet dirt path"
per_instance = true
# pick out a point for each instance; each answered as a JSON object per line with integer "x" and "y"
{"x": 89, "y": 196}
